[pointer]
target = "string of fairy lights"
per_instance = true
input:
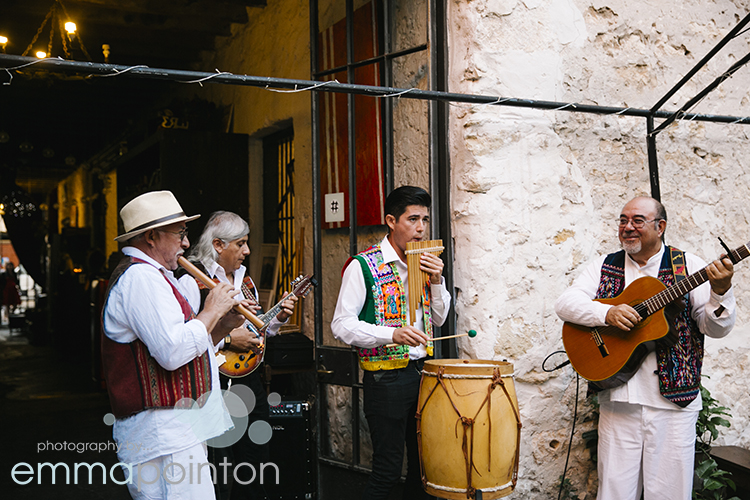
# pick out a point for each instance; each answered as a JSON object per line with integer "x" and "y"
{"x": 282, "y": 85}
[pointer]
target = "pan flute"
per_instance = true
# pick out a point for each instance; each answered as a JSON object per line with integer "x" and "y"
{"x": 417, "y": 278}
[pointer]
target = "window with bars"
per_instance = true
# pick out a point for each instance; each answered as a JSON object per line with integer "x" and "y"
{"x": 278, "y": 207}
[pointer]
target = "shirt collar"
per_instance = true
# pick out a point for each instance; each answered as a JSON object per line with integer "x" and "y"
{"x": 654, "y": 260}
{"x": 215, "y": 270}
{"x": 389, "y": 253}
{"x": 139, "y": 254}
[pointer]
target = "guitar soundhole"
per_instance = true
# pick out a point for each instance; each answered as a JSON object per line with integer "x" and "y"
{"x": 242, "y": 357}
{"x": 237, "y": 366}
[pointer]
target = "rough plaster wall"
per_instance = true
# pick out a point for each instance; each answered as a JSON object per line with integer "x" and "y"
{"x": 535, "y": 193}
{"x": 411, "y": 155}
{"x": 411, "y": 166}
{"x": 275, "y": 42}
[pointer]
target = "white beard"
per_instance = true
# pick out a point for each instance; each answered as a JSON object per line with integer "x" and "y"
{"x": 632, "y": 248}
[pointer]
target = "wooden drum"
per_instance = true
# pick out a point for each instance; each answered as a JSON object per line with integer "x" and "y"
{"x": 469, "y": 428}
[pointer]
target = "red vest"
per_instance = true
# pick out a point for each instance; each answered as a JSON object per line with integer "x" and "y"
{"x": 135, "y": 381}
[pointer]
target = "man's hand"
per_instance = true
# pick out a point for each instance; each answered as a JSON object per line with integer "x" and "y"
{"x": 287, "y": 307}
{"x": 220, "y": 299}
{"x": 242, "y": 340}
{"x": 622, "y": 316}
{"x": 720, "y": 274}
{"x": 432, "y": 265}
{"x": 409, "y": 335}
{"x": 219, "y": 302}
{"x": 251, "y": 305}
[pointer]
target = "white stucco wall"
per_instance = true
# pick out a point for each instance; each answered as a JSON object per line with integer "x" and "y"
{"x": 535, "y": 193}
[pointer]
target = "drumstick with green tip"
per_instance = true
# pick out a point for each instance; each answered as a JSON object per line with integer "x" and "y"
{"x": 471, "y": 334}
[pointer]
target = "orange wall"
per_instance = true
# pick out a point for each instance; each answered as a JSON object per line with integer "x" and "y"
{"x": 6, "y": 250}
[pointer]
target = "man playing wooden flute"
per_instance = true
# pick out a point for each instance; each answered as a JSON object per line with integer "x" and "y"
{"x": 158, "y": 355}
{"x": 371, "y": 313}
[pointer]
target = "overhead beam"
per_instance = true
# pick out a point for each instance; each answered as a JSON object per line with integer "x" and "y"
{"x": 110, "y": 70}
{"x": 200, "y": 8}
{"x": 729, "y": 37}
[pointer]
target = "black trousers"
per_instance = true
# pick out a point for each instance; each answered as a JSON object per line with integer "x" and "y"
{"x": 390, "y": 406}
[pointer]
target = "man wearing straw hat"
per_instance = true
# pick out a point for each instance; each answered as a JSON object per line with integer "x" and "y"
{"x": 371, "y": 313}
{"x": 158, "y": 357}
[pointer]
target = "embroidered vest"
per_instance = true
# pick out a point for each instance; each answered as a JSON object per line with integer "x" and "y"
{"x": 385, "y": 305}
{"x": 679, "y": 366}
{"x": 135, "y": 381}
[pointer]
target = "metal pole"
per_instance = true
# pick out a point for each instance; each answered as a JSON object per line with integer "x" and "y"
{"x": 316, "y": 233}
{"x": 653, "y": 164}
{"x": 695, "y": 100}
{"x": 110, "y": 70}
{"x": 702, "y": 62}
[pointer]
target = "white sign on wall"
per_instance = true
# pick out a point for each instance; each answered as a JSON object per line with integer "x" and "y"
{"x": 335, "y": 208}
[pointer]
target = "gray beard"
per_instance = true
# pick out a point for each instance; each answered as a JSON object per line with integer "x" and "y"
{"x": 632, "y": 248}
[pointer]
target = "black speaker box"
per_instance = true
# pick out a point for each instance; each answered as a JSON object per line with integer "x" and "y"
{"x": 292, "y": 450}
{"x": 289, "y": 349}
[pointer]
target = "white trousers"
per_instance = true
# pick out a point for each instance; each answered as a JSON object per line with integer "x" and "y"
{"x": 645, "y": 449}
{"x": 184, "y": 475}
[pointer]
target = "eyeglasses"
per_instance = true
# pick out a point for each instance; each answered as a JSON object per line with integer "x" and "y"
{"x": 182, "y": 234}
{"x": 637, "y": 222}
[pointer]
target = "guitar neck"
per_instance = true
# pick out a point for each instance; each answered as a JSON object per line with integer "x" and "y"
{"x": 267, "y": 316}
{"x": 685, "y": 286}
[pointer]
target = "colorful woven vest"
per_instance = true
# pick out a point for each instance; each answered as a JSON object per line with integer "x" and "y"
{"x": 386, "y": 305}
{"x": 679, "y": 366}
{"x": 135, "y": 381}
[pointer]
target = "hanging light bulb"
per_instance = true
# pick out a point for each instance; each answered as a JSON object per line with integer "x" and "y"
{"x": 41, "y": 54}
{"x": 3, "y": 43}
{"x": 70, "y": 28}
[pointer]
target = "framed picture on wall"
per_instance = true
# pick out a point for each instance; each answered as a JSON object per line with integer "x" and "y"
{"x": 268, "y": 275}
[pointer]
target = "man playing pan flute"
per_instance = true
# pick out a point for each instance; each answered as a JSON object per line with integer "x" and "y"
{"x": 371, "y": 314}
{"x": 647, "y": 424}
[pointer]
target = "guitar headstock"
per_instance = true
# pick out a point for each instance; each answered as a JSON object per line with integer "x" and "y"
{"x": 302, "y": 285}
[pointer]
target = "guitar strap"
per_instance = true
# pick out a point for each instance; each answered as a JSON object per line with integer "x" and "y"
{"x": 677, "y": 257}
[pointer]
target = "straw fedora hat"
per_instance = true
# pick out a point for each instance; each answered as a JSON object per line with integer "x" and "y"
{"x": 149, "y": 211}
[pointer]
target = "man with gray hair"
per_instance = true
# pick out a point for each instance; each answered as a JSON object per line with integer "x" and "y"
{"x": 220, "y": 252}
{"x": 647, "y": 424}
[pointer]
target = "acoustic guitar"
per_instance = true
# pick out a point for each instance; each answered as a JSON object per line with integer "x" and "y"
{"x": 610, "y": 356}
{"x": 239, "y": 364}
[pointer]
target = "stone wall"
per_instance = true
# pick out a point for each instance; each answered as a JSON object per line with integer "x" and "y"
{"x": 534, "y": 193}
{"x": 543, "y": 188}
{"x": 276, "y": 43}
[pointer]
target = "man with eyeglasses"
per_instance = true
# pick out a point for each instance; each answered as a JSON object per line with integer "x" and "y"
{"x": 158, "y": 356}
{"x": 647, "y": 424}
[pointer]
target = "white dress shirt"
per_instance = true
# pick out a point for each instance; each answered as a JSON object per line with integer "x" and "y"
{"x": 142, "y": 306}
{"x": 576, "y": 305}
{"x": 346, "y": 325}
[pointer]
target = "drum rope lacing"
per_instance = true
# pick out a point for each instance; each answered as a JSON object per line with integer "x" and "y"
{"x": 467, "y": 423}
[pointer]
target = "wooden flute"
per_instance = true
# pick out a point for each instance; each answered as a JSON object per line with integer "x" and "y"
{"x": 203, "y": 278}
